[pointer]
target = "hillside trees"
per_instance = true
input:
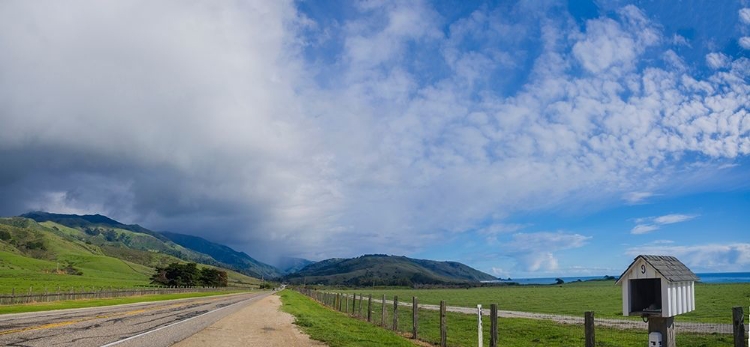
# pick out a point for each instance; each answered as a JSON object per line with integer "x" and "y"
{"x": 181, "y": 275}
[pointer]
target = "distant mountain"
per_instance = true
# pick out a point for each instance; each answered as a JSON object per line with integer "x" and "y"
{"x": 239, "y": 261}
{"x": 386, "y": 270}
{"x": 289, "y": 265}
{"x": 84, "y": 221}
{"x": 143, "y": 246}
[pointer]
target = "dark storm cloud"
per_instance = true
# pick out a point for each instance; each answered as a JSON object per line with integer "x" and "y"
{"x": 212, "y": 118}
{"x": 174, "y": 115}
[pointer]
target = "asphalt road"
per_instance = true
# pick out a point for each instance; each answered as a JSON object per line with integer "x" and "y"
{"x": 144, "y": 324}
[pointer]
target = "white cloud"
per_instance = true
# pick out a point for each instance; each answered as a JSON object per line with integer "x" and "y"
{"x": 649, "y": 224}
{"x": 717, "y": 60}
{"x": 680, "y": 40}
{"x": 637, "y": 197}
{"x": 609, "y": 44}
{"x": 499, "y": 272}
{"x": 744, "y": 14}
{"x": 744, "y": 42}
{"x": 643, "y": 228}
{"x": 703, "y": 258}
{"x": 215, "y": 118}
{"x": 535, "y": 251}
{"x": 673, "y": 218}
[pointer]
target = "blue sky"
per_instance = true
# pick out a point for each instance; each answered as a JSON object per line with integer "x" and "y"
{"x": 524, "y": 138}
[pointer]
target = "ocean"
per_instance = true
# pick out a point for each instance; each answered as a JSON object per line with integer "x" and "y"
{"x": 718, "y": 277}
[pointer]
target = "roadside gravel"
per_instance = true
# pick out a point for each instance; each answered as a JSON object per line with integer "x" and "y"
{"x": 259, "y": 324}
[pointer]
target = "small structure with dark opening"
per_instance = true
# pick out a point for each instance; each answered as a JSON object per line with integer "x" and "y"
{"x": 657, "y": 286}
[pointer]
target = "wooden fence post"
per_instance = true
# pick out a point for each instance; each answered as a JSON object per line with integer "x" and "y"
{"x": 738, "y": 324}
{"x": 414, "y": 321}
{"x": 443, "y": 328}
{"x": 395, "y": 313}
{"x": 346, "y": 306}
{"x": 369, "y": 308}
{"x": 588, "y": 322}
{"x": 493, "y": 325}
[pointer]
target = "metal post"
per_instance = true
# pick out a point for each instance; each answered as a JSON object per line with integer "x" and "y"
{"x": 369, "y": 308}
{"x": 382, "y": 312}
{"x": 395, "y": 313}
{"x": 443, "y": 328}
{"x": 480, "y": 338}
{"x": 414, "y": 320}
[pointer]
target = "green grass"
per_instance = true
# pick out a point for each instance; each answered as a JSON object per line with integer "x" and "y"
{"x": 335, "y": 328}
{"x": 60, "y": 305}
{"x": 104, "y": 266}
{"x": 462, "y": 331}
{"x": 714, "y": 302}
{"x": 19, "y": 273}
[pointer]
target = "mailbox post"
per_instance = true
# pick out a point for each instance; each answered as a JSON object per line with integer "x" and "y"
{"x": 658, "y": 288}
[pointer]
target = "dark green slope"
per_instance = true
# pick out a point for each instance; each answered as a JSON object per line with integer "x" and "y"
{"x": 289, "y": 265}
{"x": 239, "y": 261}
{"x": 48, "y": 254}
{"x": 140, "y": 245}
{"x": 88, "y": 221}
{"x": 386, "y": 270}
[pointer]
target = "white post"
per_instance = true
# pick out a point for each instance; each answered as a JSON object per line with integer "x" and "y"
{"x": 479, "y": 324}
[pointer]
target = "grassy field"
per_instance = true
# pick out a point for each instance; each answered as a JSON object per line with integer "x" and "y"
{"x": 61, "y": 305}
{"x": 714, "y": 301}
{"x": 462, "y": 331}
{"x": 334, "y": 328}
{"x": 50, "y": 256}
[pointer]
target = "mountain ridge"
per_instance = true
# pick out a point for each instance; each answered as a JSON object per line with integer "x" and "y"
{"x": 380, "y": 269}
{"x": 95, "y": 225}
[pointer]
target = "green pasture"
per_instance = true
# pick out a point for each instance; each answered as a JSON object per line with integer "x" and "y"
{"x": 21, "y": 272}
{"x": 714, "y": 302}
{"x": 462, "y": 330}
{"x": 59, "y": 257}
{"x": 334, "y": 328}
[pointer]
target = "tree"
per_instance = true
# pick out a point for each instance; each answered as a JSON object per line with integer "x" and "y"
{"x": 188, "y": 275}
{"x": 213, "y": 278}
{"x": 559, "y": 281}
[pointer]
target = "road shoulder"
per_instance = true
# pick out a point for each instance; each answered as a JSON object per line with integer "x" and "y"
{"x": 261, "y": 323}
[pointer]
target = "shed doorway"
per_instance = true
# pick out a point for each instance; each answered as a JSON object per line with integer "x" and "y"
{"x": 645, "y": 296}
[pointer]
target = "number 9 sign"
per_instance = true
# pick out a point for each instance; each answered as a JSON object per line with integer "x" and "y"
{"x": 643, "y": 269}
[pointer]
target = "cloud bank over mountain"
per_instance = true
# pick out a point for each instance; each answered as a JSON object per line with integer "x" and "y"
{"x": 387, "y": 126}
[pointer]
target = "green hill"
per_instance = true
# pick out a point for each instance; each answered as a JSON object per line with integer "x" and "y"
{"x": 386, "y": 270}
{"x": 48, "y": 255}
{"x": 290, "y": 265}
{"x": 239, "y": 261}
{"x": 143, "y": 246}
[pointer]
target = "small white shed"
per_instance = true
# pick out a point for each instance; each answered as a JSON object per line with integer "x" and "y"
{"x": 657, "y": 286}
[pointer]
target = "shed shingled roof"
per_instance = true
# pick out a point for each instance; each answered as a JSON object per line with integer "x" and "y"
{"x": 669, "y": 267}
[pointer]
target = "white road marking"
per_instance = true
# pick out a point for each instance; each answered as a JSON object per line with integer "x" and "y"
{"x": 182, "y": 321}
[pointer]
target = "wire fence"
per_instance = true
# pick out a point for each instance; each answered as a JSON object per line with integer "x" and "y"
{"x": 444, "y": 325}
{"x": 79, "y": 293}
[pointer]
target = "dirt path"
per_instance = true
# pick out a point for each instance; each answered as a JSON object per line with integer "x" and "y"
{"x": 262, "y": 323}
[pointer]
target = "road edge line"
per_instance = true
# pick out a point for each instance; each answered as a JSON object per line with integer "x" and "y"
{"x": 173, "y": 324}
